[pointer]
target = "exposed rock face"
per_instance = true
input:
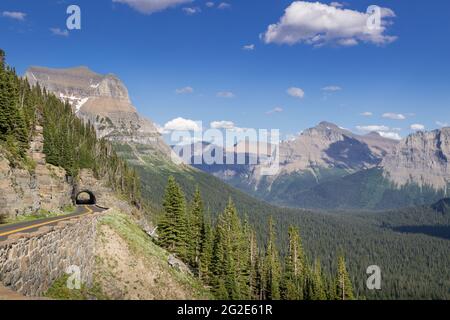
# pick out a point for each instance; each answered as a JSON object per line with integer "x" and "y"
{"x": 324, "y": 147}
{"x": 102, "y": 100}
{"x": 422, "y": 158}
{"x": 329, "y": 146}
{"x": 25, "y": 191}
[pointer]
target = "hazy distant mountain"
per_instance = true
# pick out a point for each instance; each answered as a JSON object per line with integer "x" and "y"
{"x": 415, "y": 172}
{"x": 101, "y": 99}
{"x": 322, "y": 153}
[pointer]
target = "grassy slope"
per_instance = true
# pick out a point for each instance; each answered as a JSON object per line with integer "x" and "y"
{"x": 136, "y": 268}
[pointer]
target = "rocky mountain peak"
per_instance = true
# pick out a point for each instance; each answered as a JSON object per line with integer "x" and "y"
{"x": 103, "y": 100}
{"x": 421, "y": 158}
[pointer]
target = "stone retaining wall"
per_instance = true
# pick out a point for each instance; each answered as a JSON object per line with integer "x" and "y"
{"x": 30, "y": 263}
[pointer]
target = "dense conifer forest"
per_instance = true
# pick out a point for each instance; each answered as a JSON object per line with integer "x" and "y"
{"x": 226, "y": 255}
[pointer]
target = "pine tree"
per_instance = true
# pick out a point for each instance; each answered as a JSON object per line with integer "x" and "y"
{"x": 343, "y": 285}
{"x": 272, "y": 266}
{"x": 228, "y": 265}
{"x": 316, "y": 289}
{"x": 206, "y": 251}
{"x": 196, "y": 221}
{"x": 294, "y": 273}
{"x": 173, "y": 224}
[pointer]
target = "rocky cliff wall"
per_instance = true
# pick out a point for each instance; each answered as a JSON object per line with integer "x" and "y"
{"x": 26, "y": 191}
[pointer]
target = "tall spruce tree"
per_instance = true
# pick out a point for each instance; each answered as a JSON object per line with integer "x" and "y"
{"x": 196, "y": 221}
{"x": 272, "y": 266}
{"x": 173, "y": 225}
{"x": 343, "y": 285}
{"x": 293, "y": 284}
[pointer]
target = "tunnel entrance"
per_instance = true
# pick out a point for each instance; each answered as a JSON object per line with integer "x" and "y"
{"x": 85, "y": 197}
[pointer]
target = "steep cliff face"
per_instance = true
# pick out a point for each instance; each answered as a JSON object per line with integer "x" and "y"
{"x": 25, "y": 191}
{"x": 422, "y": 158}
{"x": 329, "y": 146}
{"x": 102, "y": 100}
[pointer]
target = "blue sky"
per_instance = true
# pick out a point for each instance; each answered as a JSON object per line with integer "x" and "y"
{"x": 401, "y": 72}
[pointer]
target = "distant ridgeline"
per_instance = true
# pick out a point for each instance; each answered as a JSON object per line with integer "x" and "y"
{"x": 68, "y": 142}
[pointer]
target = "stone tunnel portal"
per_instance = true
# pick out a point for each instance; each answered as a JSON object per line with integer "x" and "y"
{"x": 85, "y": 197}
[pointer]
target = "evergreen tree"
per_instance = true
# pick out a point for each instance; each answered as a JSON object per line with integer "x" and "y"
{"x": 173, "y": 224}
{"x": 293, "y": 284}
{"x": 272, "y": 266}
{"x": 206, "y": 251}
{"x": 196, "y": 221}
{"x": 343, "y": 285}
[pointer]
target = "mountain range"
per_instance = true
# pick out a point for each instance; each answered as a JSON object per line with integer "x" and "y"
{"x": 325, "y": 167}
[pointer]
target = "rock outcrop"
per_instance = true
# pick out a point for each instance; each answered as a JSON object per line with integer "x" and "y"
{"x": 25, "y": 191}
{"x": 422, "y": 158}
{"x": 102, "y": 100}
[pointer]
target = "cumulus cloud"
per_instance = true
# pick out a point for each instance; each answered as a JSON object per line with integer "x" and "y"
{"x": 225, "y": 94}
{"x": 249, "y": 47}
{"x": 222, "y": 125}
{"x": 209, "y": 4}
{"x": 152, "y": 6}
{"x": 275, "y": 110}
{"x": 296, "y": 92}
{"x": 60, "y": 32}
{"x": 181, "y": 124}
{"x": 223, "y": 6}
{"x": 417, "y": 127}
{"x": 442, "y": 124}
{"x": 14, "y": 15}
{"x": 384, "y": 131}
{"x": 318, "y": 24}
{"x": 191, "y": 11}
{"x": 367, "y": 114}
{"x": 394, "y": 116}
{"x": 184, "y": 90}
{"x": 332, "y": 88}
{"x": 336, "y": 4}
{"x": 390, "y": 135}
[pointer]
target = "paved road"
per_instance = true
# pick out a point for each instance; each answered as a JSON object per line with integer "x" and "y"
{"x": 32, "y": 226}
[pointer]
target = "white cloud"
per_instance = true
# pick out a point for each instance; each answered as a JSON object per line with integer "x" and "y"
{"x": 249, "y": 47}
{"x": 336, "y": 4}
{"x": 367, "y": 114}
{"x": 319, "y": 24}
{"x": 296, "y": 92}
{"x": 384, "y": 131}
{"x": 373, "y": 128}
{"x": 394, "y": 116}
{"x": 59, "y": 32}
{"x": 191, "y": 11}
{"x": 223, "y": 6}
{"x": 225, "y": 94}
{"x": 390, "y": 135}
{"x": 442, "y": 124}
{"x": 14, "y": 15}
{"x": 184, "y": 90}
{"x": 275, "y": 110}
{"x": 222, "y": 125}
{"x": 209, "y": 4}
{"x": 332, "y": 88}
{"x": 152, "y": 6}
{"x": 417, "y": 127}
{"x": 181, "y": 124}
